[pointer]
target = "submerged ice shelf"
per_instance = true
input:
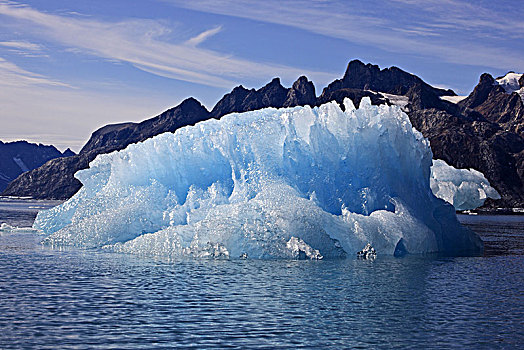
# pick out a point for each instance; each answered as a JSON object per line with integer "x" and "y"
{"x": 263, "y": 184}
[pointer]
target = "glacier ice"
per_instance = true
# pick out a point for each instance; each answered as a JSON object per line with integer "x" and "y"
{"x": 464, "y": 189}
{"x": 272, "y": 183}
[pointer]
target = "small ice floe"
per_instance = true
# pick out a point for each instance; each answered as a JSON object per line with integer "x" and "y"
{"x": 6, "y": 228}
{"x": 243, "y": 256}
{"x": 367, "y": 253}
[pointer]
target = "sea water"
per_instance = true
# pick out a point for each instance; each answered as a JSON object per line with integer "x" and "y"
{"x": 76, "y": 299}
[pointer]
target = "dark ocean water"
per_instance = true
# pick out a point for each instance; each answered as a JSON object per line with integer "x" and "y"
{"x": 60, "y": 299}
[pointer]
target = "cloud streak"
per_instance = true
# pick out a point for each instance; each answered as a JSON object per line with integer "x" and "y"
{"x": 139, "y": 42}
{"x": 453, "y": 31}
{"x": 21, "y": 45}
{"x": 203, "y": 36}
{"x": 12, "y": 75}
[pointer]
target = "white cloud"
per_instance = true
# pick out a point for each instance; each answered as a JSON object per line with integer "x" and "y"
{"x": 139, "y": 42}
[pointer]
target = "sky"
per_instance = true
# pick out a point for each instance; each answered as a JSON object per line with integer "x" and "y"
{"x": 70, "y": 67}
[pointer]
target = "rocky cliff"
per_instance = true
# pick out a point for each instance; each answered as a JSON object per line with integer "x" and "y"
{"x": 21, "y": 156}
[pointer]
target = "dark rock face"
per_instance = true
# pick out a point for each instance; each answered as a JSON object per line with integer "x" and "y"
{"x": 389, "y": 80}
{"x": 497, "y": 106}
{"x": 481, "y": 145}
{"x": 484, "y": 131}
{"x": 302, "y": 93}
{"x": 117, "y": 136}
{"x": 21, "y": 156}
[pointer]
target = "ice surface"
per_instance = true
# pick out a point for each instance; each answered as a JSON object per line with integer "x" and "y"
{"x": 266, "y": 184}
{"x": 464, "y": 189}
{"x": 6, "y": 228}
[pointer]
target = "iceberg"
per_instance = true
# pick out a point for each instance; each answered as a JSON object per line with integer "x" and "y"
{"x": 464, "y": 189}
{"x": 6, "y": 228}
{"x": 269, "y": 184}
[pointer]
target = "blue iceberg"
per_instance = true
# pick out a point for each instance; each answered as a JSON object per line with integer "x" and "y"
{"x": 274, "y": 183}
{"x": 464, "y": 189}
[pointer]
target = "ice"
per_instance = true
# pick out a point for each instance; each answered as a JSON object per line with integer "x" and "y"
{"x": 6, "y": 228}
{"x": 266, "y": 184}
{"x": 464, "y": 189}
{"x": 300, "y": 250}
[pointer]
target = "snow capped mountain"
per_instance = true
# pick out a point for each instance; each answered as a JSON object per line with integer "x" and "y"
{"x": 512, "y": 82}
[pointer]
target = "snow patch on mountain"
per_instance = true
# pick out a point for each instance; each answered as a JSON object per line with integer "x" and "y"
{"x": 21, "y": 164}
{"x": 510, "y": 83}
{"x": 453, "y": 99}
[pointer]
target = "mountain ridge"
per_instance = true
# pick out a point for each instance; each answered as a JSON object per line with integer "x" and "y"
{"x": 18, "y": 157}
{"x": 483, "y": 131}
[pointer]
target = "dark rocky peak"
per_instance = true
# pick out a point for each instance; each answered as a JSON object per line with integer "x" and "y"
{"x": 301, "y": 93}
{"x": 190, "y": 104}
{"x": 486, "y": 86}
{"x": 118, "y": 136}
{"x": 521, "y": 81}
{"x": 231, "y": 102}
{"x": 491, "y": 101}
{"x": 391, "y": 80}
{"x": 187, "y": 109}
{"x": 273, "y": 94}
{"x": 68, "y": 153}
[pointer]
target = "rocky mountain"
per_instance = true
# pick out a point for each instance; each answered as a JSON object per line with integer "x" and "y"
{"x": 21, "y": 156}
{"x": 483, "y": 131}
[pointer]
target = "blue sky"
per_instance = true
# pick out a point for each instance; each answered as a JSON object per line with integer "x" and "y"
{"x": 69, "y": 67}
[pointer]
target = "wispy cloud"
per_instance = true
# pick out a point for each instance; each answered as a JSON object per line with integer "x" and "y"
{"x": 21, "y": 45}
{"x": 203, "y": 36}
{"x": 451, "y": 30}
{"x": 23, "y": 48}
{"x": 140, "y": 43}
{"x": 14, "y": 76}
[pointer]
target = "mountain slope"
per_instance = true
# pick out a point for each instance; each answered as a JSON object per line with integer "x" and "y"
{"x": 21, "y": 156}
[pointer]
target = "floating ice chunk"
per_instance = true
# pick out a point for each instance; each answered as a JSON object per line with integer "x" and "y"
{"x": 5, "y": 228}
{"x": 301, "y": 250}
{"x": 250, "y": 183}
{"x": 464, "y": 189}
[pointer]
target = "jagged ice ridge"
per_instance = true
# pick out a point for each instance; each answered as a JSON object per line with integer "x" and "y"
{"x": 266, "y": 184}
